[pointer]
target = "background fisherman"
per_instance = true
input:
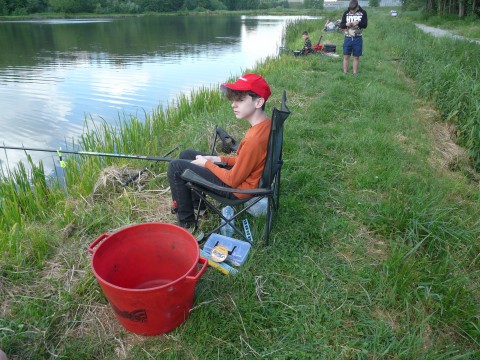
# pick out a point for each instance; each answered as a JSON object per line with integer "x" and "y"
{"x": 354, "y": 20}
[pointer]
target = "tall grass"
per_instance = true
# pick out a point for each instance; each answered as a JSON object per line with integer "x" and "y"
{"x": 447, "y": 71}
{"x": 374, "y": 253}
{"x": 25, "y": 198}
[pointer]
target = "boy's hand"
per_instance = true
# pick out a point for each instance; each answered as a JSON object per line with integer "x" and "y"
{"x": 201, "y": 160}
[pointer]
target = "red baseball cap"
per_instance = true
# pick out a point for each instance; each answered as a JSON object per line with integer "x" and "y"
{"x": 251, "y": 82}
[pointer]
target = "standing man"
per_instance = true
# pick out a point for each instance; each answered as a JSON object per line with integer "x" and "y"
{"x": 354, "y": 20}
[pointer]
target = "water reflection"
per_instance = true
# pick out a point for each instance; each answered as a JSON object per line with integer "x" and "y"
{"x": 54, "y": 73}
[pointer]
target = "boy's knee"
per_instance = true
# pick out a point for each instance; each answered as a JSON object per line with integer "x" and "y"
{"x": 187, "y": 154}
{"x": 173, "y": 168}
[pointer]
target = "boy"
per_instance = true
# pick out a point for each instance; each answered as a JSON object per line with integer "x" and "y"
{"x": 307, "y": 47}
{"x": 354, "y": 20}
{"x": 248, "y": 96}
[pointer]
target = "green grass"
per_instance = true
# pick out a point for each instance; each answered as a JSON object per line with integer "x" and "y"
{"x": 374, "y": 253}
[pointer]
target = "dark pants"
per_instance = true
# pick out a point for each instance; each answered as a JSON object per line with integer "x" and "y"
{"x": 353, "y": 45}
{"x": 181, "y": 194}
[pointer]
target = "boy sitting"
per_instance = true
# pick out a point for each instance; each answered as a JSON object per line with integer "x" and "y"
{"x": 244, "y": 170}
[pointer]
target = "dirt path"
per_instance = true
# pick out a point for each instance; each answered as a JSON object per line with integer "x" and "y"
{"x": 440, "y": 32}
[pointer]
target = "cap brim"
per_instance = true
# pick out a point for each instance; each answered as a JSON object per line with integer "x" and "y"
{"x": 238, "y": 86}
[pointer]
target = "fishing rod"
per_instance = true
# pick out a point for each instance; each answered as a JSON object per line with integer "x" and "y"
{"x": 60, "y": 151}
{"x": 140, "y": 172}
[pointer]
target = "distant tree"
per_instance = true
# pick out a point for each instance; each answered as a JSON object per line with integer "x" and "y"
{"x": 3, "y": 8}
{"x": 218, "y": 5}
{"x": 72, "y": 6}
{"x": 242, "y": 5}
{"x": 149, "y": 5}
{"x": 196, "y": 4}
{"x": 374, "y": 3}
{"x": 251, "y": 4}
{"x": 22, "y": 7}
{"x": 271, "y": 4}
{"x": 160, "y": 5}
{"x": 203, "y": 4}
{"x": 171, "y": 5}
{"x": 231, "y": 4}
{"x": 37, "y": 6}
{"x": 117, "y": 6}
{"x": 461, "y": 8}
{"x": 313, "y": 4}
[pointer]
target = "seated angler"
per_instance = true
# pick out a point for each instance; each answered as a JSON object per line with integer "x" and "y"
{"x": 244, "y": 170}
{"x": 307, "y": 47}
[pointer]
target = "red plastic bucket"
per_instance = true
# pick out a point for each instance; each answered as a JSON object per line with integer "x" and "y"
{"x": 148, "y": 273}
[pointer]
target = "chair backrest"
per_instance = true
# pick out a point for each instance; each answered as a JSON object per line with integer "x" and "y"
{"x": 275, "y": 144}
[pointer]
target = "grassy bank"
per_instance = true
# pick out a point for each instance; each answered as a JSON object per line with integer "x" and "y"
{"x": 374, "y": 253}
{"x": 447, "y": 72}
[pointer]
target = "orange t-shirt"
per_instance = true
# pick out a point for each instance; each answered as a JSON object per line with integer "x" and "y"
{"x": 247, "y": 165}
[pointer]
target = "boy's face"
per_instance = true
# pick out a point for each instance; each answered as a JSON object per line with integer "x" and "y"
{"x": 304, "y": 36}
{"x": 246, "y": 106}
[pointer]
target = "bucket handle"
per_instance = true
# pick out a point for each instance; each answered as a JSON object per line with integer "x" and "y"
{"x": 204, "y": 263}
{"x": 95, "y": 243}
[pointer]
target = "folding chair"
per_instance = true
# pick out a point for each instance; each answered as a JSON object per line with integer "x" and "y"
{"x": 269, "y": 186}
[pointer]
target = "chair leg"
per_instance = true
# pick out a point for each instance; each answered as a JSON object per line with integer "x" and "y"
{"x": 268, "y": 220}
{"x": 277, "y": 190}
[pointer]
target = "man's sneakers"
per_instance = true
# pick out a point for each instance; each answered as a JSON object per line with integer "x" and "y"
{"x": 190, "y": 226}
{"x": 193, "y": 229}
{"x": 354, "y": 74}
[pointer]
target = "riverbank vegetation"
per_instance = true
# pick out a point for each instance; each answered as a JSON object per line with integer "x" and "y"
{"x": 374, "y": 253}
{"x": 28, "y": 7}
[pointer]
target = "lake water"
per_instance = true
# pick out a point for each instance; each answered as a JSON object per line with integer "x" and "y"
{"x": 56, "y": 73}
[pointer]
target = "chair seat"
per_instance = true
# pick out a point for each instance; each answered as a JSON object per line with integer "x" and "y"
{"x": 193, "y": 177}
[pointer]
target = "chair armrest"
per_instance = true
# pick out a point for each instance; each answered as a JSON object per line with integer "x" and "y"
{"x": 194, "y": 178}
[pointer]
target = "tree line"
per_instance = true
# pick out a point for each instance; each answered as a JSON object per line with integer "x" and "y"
{"x": 26, "y": 7}
{"x": 462, "y": 8}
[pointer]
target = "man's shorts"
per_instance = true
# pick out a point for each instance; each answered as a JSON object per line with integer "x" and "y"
{"x": 353, "y": 46}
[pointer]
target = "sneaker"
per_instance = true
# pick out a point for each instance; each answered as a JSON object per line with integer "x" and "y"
{"x": 198, "y": 234}
{"x": 355, "y": 74}
{"x": 193, "y": 229}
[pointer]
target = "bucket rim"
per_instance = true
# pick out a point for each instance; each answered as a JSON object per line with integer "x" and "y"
{"x": 102, "y": 281}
